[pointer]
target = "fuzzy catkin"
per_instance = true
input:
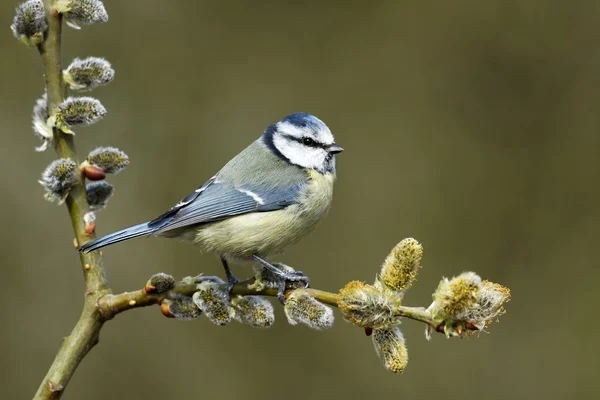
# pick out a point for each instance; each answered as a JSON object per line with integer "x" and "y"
{"x": 300, "y": 307}
{"x": 183, "y": 308}
{"x": 81, "y": 12}
{"x": 160, "y": 283}
{"x": 30, "y": 22}
{"x": 98, "y": 193}
{"x": 58, "y": 179}
{"x": 453, "y": 297}
{"x": 399, "y": 270}
{"x": 390, "y": 346}
{"x": 255, "y": 311}
{"x": 210, "y": 298}
{"x": 88, "y": 73}
{"x": 366, "y": 306}
{"x": 109, "y": 159}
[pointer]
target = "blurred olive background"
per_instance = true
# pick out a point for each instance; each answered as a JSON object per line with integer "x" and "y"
{"x": 471, "y": 126}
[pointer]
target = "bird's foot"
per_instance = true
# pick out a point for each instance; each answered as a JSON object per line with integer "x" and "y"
{"x": 284, "y": 277}
{"x": 231, "y": 281}
{"x": 289, "y": 281}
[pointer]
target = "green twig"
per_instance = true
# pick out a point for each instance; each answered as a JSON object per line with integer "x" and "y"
{"x": 85, "y": 333}
{"x": 112, "y": 304}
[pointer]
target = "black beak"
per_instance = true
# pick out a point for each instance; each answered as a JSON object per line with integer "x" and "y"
{"x": 334, "y": 149}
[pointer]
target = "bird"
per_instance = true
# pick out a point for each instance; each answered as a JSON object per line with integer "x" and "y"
{"x": 260, "y": 203}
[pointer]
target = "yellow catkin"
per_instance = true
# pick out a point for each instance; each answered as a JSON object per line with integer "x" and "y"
{"x": 211, "y": 300}
{"x": 303, "y": 308}
{"x": 366, "y": 306}
{"x": 400, "y": 268}
{"x": 254, "y": 311}
{"x": 454, "y": 297}
{"x": 391, "y": 348}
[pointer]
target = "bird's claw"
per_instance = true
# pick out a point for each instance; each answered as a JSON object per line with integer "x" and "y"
{"x": 290, "y": 281}
{"x": 297, "y": 276}
{"x": 281, "y": 292}
{"x": 231, "y": 281}
{"x": 285, "y": 277}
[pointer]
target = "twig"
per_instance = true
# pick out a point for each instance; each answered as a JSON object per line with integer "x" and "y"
{"x": 112, "y": 304}
{"x": 85, "y": 333}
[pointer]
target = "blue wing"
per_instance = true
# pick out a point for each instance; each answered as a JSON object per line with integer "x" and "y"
{"x": 213, "y": 201}
{"x": 216, "y": 200}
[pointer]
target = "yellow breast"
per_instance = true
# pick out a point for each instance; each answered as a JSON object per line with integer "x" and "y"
{"x": 267, "y": 233}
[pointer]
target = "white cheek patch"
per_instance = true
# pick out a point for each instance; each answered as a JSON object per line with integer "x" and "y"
{"x": 303, "y": 156}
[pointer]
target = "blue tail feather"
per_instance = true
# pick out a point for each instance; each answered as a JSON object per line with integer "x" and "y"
{"x": 119, "y": 236}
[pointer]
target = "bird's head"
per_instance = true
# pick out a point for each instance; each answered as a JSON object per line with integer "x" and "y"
{"x": 303, "y": 140}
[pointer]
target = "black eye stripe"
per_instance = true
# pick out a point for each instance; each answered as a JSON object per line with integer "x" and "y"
{"x": 302, "y": 141}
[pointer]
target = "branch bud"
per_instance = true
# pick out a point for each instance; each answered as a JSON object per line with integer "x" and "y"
{"x": 159, "y": 283}
{"x": 88, "y": 73}
{"x": 40, "y": 126}
{"x": 303, "y": 308}
{"x": 255, "y": 311}
{"x": 84, "y": 12}
{"x": 77, "y": 111}
{"x": 366, "y": 306}
{"x": 98, "y": 193}
{"x": 213, "y": 302}
{"x": 89, "y": 220}
{"x": 164, "y": 309}
{"x": 30, "y": 23}
{"x": 92, "y": 172}
{"x": 399, "y": 270}
{"x": 58, "y": 179}
{"x": 391, "y": 348}
{"x": 110, "y": 159}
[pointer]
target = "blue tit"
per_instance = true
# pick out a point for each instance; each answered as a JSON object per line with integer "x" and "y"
{"x": 261, "y": 202}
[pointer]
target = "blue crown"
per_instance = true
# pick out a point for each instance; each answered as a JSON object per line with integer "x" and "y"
{"x": 303, "y": 120}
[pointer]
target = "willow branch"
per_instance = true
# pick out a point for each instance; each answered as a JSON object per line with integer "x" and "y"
{"x": 85, "y": 333}
{"x": 110, "y": 305}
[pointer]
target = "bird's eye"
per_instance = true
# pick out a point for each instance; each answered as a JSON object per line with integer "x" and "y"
{"x": 308, "y": 141}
